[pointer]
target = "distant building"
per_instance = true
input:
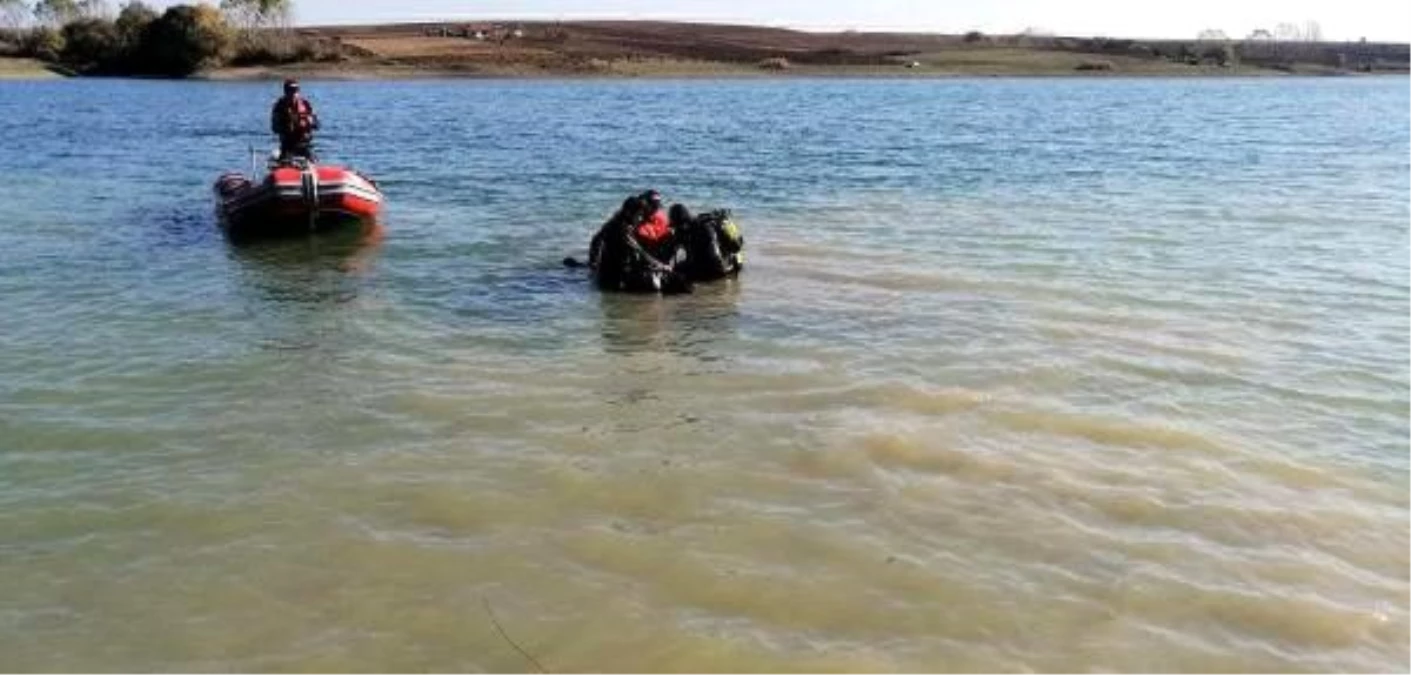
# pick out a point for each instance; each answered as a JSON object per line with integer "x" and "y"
{"x": 476, "y": 31}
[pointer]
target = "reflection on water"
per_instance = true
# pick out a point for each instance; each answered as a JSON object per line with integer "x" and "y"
{"x": 293, "y": 288}
{"x": 315, "y": 270}
{"x": 691, "y": 326}
{"x": 172, "y": 228}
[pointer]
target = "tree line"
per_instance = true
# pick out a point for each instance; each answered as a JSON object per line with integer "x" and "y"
{"x": 88, "y": 37}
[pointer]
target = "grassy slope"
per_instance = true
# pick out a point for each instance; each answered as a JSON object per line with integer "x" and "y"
{"x": 1026, "y": 61}
{"x": 628, "y": 49}
{"x": 653, "y": 48}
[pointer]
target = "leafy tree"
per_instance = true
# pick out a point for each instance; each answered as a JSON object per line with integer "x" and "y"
{"x": 258, "y": 13}
{"x": 59, "y": 12}
{"x": 43, "y": 43}
{"x": 132, "y": 22}
{"x": 90, "y": 44}
{"x": 186, "y": 39}
{"x": 55, "y": 12}
{"x": 98, "y": 45}
{"x": 254, "y": 19}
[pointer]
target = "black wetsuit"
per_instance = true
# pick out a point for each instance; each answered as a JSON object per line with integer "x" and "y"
{"x": 294, "y": 121}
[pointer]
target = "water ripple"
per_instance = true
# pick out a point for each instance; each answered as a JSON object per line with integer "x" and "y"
{"x": 1021, "y": 375}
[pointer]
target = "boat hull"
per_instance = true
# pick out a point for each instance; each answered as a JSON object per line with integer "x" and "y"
{"x": 295, "y": 201}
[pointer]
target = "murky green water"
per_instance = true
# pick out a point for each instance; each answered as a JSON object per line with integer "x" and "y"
{"x": 1023, "y": 374}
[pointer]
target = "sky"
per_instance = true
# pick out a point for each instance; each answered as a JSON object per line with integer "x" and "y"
{"x": 1378, "y": 20}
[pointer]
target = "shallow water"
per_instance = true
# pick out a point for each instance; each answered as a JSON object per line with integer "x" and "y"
{"x": 1022, "y": 375}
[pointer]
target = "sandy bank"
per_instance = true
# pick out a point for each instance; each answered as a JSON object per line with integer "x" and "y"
{"x": 26, "y": 69}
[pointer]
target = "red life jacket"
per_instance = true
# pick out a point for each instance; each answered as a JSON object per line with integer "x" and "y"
{"x": 655, "y": 229}
{"x": 299, "y": 115}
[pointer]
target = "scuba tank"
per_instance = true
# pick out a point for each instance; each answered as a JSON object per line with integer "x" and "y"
{"x": 714, "y": 246}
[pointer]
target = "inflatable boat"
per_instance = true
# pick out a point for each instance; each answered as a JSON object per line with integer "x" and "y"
{"x": 295, "y": 197}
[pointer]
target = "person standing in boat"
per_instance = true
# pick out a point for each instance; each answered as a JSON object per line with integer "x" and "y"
{"x": 294, "y": 121}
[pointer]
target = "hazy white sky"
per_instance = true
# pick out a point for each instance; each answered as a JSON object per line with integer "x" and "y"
{"x": 1340, "y": 20}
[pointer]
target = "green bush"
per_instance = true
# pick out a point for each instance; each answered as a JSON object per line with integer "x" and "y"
{"x": 43, "y": 43}
{"x": 60, "y": 12}
{"x": 90, "y": 45}
{"x": 175, "y": 43}
{"x": 184, "y": 40}
{"x": 132, "y": 25}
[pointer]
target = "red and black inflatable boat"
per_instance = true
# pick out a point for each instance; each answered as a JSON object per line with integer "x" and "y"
{"x": 296, "y": 197}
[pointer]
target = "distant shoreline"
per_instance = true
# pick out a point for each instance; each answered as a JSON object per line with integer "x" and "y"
{"x": 27, "y": 69}
{"x": 657, "y": 49}
{"x": 410, "y": 74}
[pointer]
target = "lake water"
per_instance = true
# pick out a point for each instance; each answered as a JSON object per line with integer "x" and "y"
{"x": 1021, "y": 375}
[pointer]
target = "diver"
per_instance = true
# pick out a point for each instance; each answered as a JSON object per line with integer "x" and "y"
{"x": 635, "y": 250}
{"x": 642, "y": 249}
{"x": 294, "y": 121}
{"x": 608, "y": 251}
{"x": 711, "y": 244}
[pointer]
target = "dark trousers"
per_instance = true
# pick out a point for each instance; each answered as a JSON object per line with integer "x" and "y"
{"x": 291, "y": 147}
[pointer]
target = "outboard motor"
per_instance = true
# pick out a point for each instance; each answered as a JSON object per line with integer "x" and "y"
{"x": 231, "y": 183}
